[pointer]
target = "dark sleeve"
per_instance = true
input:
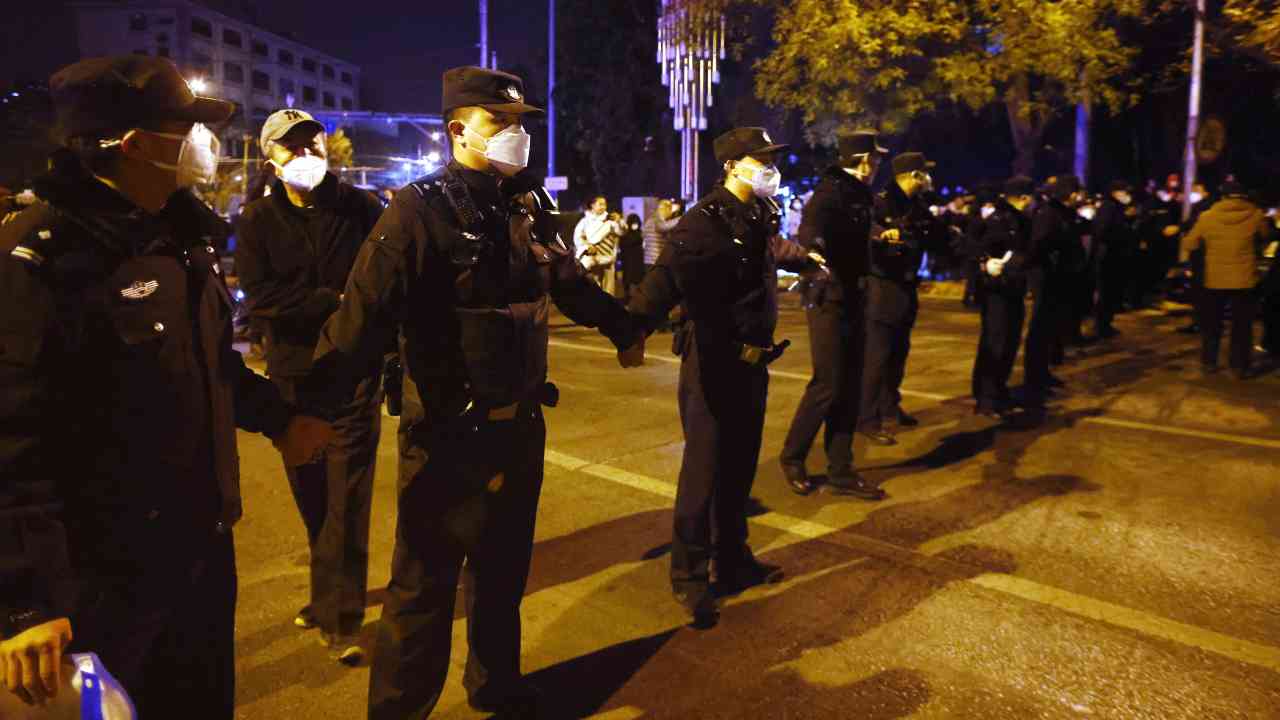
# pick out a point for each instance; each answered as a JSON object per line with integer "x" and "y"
{"x": 691, "y": 270}
{"x": 259, "y": 406}
{"x": 297, "y": 307}
{"x": 586, "y": 304}
{"x": 1043, "y": 225}
{"x": 657, "y": 294}
{"x": 36, "y": 581}
{"x": 816, "y": 222}
{"x": 791, "y": 256}
{"x": 356, "y": 337}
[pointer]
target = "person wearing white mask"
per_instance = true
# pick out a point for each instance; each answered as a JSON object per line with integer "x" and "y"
{"x": 462, "y": 269}
{"x": 119, "y": 404}
{"x": 295, "y": 248}
{"x": 595, "y": 240}
{"x": 720, "y": 265}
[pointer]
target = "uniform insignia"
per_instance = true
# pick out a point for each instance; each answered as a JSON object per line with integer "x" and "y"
{"x": 513, "y": 92}
{"x": 8, "y": 218}
{"x": 44, "y": 234}
{"x": 766, "y": 137}
{"x": 140, "y": 290}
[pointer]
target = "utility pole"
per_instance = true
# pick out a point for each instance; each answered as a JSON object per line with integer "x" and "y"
{"x": 246, "y": 140}
{"x": 1193, "y": 112}
{"x": 551, "y": 88}
{"x": 484, "y": 33}
{"x": 1084, "y": 130}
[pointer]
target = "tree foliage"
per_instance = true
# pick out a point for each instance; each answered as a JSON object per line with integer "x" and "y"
{"x": 1258, "y": 22}
{"x": 879, "y": 63}
{"x": 341, "y": 151}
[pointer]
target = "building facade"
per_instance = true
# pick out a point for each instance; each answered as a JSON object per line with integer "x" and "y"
{"x": 222, "y": 56}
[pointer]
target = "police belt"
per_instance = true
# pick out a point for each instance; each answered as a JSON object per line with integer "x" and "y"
{"x": 548, "y": 395}
{"x": 762, "y": 356}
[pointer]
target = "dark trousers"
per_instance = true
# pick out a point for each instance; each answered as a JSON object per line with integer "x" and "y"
{"x": 722, "y": 406}
{"x": 1213, "y": 309}
{"x": 884, "y": 365}
{"x": 162, "y": 619}
{"x": 832, "y": 396}
{"x": 1111, "y": 290}
{"x": 334, "y": 497}
{"x": 1270, "y": 309}
{"x": 1003, "y": 312}
{"x": 467, "y": 492}
{"x": 1044, "y": 337}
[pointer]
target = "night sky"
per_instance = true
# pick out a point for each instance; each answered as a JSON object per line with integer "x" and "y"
{"x": 402, "y": 47}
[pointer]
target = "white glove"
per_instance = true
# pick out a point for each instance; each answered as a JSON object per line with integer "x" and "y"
{"x": 995, "y": 267}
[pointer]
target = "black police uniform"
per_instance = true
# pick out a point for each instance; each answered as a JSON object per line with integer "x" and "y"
{"x": 292, "y": 263}
{"x": 1115, "y": 235}
{"x": 1055, "y": 251}
{"x": 1001, "y": 299}
{"x": 836, "y": 223}
{"x": 120, "y": 394}
{"x": 720, "y": 265}
{"x": 464, "y": 267}
{"x": 892, "y": 301}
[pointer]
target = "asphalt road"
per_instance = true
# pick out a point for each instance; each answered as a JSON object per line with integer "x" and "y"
{"x": 1120, "y": 561}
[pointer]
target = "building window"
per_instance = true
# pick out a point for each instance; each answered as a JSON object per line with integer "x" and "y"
{"x": 231, "y": 72}
{"x": 328, "y": 100}
{"x": 308, "y": 65}
{"x": 285, "y": 57}
{"x": 261, "y": 81}
{"x": 201, "y": 27}
{"x": 202, "y": 63}
{"x": 138, "y": 22}
{"x": 346, "y": 78}
{"x": 260, "y": 49}
{"x": 162, "y": 52}
{"x": 347, "y": 104}
{"x": 260, "y": 113}
{"x": 232, "y": 38}
{"x": 327, "y": 71}
{"x": 286, "y": 86}
{"x": 308, "y": 94}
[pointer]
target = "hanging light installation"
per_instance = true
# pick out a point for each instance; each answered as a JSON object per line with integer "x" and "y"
{"x": 691, "y": 45}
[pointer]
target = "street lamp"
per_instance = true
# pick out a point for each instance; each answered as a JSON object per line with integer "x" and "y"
{"x": 197, "y": 85}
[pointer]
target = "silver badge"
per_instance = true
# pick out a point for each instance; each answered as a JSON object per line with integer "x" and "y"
{"x": 766, "y": 137}
{"x": 513, "y": 92}
{"x": 140, "y": 290}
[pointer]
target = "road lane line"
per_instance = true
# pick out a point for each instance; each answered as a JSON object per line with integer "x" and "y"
{"x": 1263, "y": 656}
{"x": 1113, "y": 422}
{"x": 772, "y": 372}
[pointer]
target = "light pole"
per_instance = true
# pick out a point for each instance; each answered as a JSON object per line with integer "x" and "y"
{"x": 484, "y": 33}
{"x": 1193, "y": 112}
{"x": 551, "y": 88}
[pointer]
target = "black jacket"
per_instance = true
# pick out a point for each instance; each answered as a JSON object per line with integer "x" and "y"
{"x": 293, "y": 264}
{"x": 120, "y": 392}
{"x": 721, "y": 263}
{"x": 1056, "y": 242}
{"x": 920, "y": 232}
{"x": 1006, "y": 230}
{"x": 470, "y": 309}
{"x": 837, "y": 224}
{"x": 1115, "y": 231}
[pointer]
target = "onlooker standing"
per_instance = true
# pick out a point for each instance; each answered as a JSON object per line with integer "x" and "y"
{"x": 631, "y": 254}
{"x": 656, "y": 227}
{"x": 296, "y": 248}
{"x": 596, "y": 242}
{"x": 1115, "y": 239}
{"x": 1233, "y": 233}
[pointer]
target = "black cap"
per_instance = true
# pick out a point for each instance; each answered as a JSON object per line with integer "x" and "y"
{"x": 1019, "y": 185}
{"x": 105, "y": 95}
{"x": 911, "y": 162}
{"x": 492, "y": 90}
{"x": 1232, "y": 188}
{"x": 1119, "y": 186}
{"x": 1062, "y": 186}
{"x": 863, "y": 142}
{"x": 740, "y": 142}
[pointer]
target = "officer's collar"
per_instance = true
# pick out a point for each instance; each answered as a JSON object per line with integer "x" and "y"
{"x": 481, "y": 183}
{"x": 324, "y": 196}
{"x": 839, "y": 173}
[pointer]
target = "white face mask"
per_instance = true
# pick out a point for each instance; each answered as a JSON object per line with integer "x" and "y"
{"x": 987, "y": 211}
{"x": 1196, "y": 197}
{"x": 197, "y": 160}
{"x": 304, "y": 172}
{"x": 1124, "y": 198}
{"x": 1087, "y": 212}
{"x": 507, "y": 151}
{"x": 764, "y": 181}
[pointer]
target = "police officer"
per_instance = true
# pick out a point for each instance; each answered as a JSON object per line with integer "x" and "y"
{"x": 902, "y": 231}
{"x": 463, "y": 265}
{"x": 1115, "y": 234}
{"x": 120, "y": 395}
{"x": 836, "y": 223}
{"x": 294, "y": 251}
{"x": 1055, "y": 249}
{"x": 1000, "y": 247}
{"x": 721, "y": 266}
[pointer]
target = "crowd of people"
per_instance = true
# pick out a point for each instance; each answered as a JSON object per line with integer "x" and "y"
{"x": 119, "y": 376}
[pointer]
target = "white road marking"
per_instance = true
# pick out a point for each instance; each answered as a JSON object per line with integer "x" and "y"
{"x": 1263, "y": 656}
{"x": 1112, "y": 422}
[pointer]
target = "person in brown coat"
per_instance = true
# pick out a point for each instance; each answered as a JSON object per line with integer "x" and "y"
{"x": 1233, "y": 233}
